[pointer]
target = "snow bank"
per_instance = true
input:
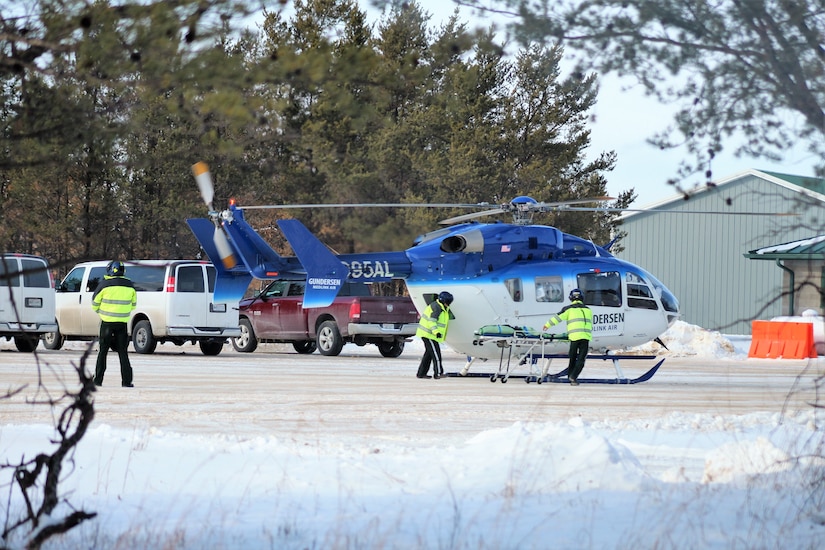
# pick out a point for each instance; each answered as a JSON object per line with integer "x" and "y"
{"x": 530, "y": 485}
{"x": 686, "y": 340}
{"x": 745, "y": 458}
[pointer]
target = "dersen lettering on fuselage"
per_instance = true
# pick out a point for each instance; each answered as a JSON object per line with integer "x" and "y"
{"x": 603, "y": 322}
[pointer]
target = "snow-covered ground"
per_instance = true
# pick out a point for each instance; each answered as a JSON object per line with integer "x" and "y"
{"x": 277, "y": 450}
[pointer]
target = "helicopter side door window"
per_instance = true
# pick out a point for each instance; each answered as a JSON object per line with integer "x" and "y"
{"x": 549, "y": 289}
{"x": 514, "y": 289}
{"x": 601, "y": 289}
{"x": 639, "y": 294}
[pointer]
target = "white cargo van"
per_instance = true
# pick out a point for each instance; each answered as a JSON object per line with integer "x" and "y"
{"x": 174, "y": 304}
{"x": 26, "y": 300}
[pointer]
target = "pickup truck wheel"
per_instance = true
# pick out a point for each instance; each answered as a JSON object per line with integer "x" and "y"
{"x": 211, "y": 347}
{"x": 391, "y": 349}
{"x": 305, "y": 347}
{"x": 26, "y": 343}
{"x": 142, "y": 338}
{"x": 329, "y": 339}
{"x": 53, "y": 340}
{"x": 246, "y": 342}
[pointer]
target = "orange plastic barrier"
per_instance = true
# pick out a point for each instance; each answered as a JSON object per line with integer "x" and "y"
{"x": 774, "y": 339}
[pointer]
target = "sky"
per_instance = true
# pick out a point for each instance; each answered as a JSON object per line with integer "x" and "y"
{"x": 682, "y": 480}
{"x": 624, "y": 118}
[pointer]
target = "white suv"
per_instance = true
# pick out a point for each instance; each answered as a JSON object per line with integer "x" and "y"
{"x": 174, "y": 304}
{"x": 26, "y": 300}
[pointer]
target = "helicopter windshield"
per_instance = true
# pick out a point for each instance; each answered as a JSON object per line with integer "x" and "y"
{"x": 602, "y": 288}
{"x": 669, "y": 301}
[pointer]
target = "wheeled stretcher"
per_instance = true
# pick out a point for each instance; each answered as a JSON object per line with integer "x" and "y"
{"x": 521, "y": 345}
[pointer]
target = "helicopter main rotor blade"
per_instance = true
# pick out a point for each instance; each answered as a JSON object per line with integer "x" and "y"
{"x": 713, "y": 212}
{"x": 364, "y": 205}
{"x": 472, "y": 216}
{"x": 523, "y": 207}
{"x": 559, "y": 206}
{"x": 576, "y": 201}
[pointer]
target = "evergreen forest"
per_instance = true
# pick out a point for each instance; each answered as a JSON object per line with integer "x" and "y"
{"x": 106, "y": 106}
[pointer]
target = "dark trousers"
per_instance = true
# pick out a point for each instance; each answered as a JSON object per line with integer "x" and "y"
{"x": 116, "y": 337}
{"x": 432, "y": 354}
{"x": 578, "y": 353}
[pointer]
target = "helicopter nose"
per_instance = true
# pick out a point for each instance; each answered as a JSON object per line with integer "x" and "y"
{"x": 671, "y": 305}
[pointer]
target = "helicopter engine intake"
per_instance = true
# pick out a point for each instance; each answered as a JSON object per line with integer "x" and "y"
{"x": 469, "y": 242}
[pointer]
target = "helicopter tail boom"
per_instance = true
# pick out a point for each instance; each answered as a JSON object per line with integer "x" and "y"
{"x": 325, "y": 272}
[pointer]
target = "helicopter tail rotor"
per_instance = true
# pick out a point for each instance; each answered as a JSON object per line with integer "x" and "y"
{"x": 204, "y": 180}
{"x": 224, "y": 248}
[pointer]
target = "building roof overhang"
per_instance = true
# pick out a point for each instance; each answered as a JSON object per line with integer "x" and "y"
{"x": 812, "y": 248}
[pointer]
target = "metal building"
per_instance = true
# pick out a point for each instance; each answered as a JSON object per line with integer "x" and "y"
{"x": 696, "y": 244}
{"x": 803, "y": 264}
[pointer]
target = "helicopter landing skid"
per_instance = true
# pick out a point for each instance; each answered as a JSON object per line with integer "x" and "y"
{"x": 561, "y": 377}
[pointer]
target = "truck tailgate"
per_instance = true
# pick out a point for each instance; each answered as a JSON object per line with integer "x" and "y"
{"x": 382, "y": 309}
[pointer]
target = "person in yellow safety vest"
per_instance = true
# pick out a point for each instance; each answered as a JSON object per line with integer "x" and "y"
{"x": 113, "y": 300}
{"x": 432, "y": 329}
{"x": 579, "y": 320}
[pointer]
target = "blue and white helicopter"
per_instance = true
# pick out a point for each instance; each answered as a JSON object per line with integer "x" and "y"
{"x": 500, "y": 274}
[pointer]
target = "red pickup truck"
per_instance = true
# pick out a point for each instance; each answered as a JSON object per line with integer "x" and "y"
{"x": 276, "y": 315}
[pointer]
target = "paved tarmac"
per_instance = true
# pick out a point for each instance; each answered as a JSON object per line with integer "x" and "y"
{"x": 359, "y": 394}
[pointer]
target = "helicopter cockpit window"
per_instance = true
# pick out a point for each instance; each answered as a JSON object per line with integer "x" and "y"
{"x": 601, "y": 289}
{"x": 514, "y": 288}
{"x": 639, "y": 294}
{"x": 549, "y": 289}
